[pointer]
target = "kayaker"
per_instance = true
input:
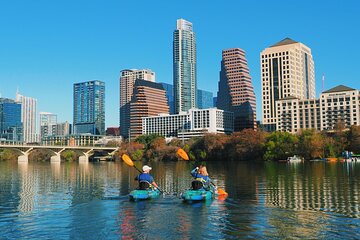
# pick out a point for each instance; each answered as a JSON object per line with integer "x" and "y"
{"x": 201, "y": 174}
{"x": 145, "y": 177}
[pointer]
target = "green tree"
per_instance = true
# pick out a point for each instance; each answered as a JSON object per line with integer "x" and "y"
{"x": 280, "y": 145}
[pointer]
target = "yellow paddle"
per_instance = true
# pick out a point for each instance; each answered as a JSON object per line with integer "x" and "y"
{"x": 130, "y": 163}
{"x": 185, "y": 156}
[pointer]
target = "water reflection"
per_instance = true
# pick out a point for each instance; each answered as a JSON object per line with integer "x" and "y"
{"x": 313, "y": 186}
{"x": 27, "y": 188}
{"x": 266, "y": 200}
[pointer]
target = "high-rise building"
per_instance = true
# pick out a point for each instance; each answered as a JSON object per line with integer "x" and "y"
{"x": 236, "y": 92}
{"x": 287, "y": 70}
{"x": 28, "y": 117}
{"x": 127, "y": 81}
{"x": 184, "y": 66}
{"x": 204, "y": 99}
{"x": 169, "y": 88}
{"x": 149, "y": 99}
{"x": 89, "y": 107}
{"x": 10, "y": 120}
{"x": 47, "y": 124}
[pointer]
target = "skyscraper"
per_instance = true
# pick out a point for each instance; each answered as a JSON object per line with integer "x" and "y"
{"x": 169, "y": 88}
{"x": 10, "y": 120}
{"x": 149, "y": 99}
{"x": 204, "y": 99}
{"x": 28, "y": 117}
{"x": 89, "y": 107}
{"x": 236, "y": 92}
{"x": 127, "y": 81}
{"x": 184, "y": 66}
{"x": 287, "y": 69}
{"x": 48, "y": 123}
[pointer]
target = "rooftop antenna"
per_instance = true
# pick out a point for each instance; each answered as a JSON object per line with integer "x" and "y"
{"x": 323, "y": 80}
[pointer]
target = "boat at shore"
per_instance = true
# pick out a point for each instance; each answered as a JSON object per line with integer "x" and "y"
{"x": 295, "y": 158}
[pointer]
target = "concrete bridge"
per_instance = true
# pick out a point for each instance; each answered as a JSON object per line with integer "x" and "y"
{"x": 87, "y": 151}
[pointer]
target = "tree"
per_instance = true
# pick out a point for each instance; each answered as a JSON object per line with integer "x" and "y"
{"x": 280, "y": 145}
{"x": 311, "y": 144}
{"x": 246, "y": 145}
{"x": 354, "y": 139}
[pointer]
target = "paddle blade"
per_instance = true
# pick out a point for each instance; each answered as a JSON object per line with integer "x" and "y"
{"x": 127, "y": 160}
{"x": 182, "y": 154}
{"x": 222, "y": 192}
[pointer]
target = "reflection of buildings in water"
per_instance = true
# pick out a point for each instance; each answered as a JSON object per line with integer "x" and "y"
{"x": 27, "y": 188}
{"x": 55, "y": 169}
{"x": 333, "y": 193}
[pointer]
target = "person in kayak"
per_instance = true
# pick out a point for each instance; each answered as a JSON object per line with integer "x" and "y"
{"x": 201, "y": 175}
{"x": 145, "y": 179}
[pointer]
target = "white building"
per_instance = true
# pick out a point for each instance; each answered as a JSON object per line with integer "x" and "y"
{"x": 195, "y": 122}
{"x": 28, "y": 117}
{"x": 47, "y": 124}
{"x": 287, "y": 70}
{"x": 340, "y": 103}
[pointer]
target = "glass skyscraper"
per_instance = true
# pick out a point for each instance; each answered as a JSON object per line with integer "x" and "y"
{"x": 184, "y": 66}
{"x": 204, "y": 99}
{"x": 10, "y": 120}
{"x": 89, "y": 107}
{"x": 169, "y": 88}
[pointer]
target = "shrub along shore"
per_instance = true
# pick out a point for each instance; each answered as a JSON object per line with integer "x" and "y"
{"x": 247, "y": 145}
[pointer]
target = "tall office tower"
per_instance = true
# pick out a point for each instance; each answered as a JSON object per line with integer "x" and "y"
{"x": 149, "y": 99}
{"x": 169, "y": 88}
{"x": 28, "y": 117}
{"x": 236, "y": 92}
{"x": 89, "y": 107}
{"x": 127, "y": 81}
{"x": 204, "y": 99}
{"x": 287, "y": 69}
{"x": 10, "y": 120}
{"x": 184, "y": 66}
{"x": 47, "y": 124}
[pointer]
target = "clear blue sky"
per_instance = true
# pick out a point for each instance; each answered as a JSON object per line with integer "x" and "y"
{"x": 46, "y": 46}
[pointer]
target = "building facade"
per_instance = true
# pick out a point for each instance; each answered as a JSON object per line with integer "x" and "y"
{"x": 48, "y": 123}
{"x": 127, "y": 81}
{"x": 236, "y": 92}
{"x": 339, "y": 104}
{"x": 149, "y": 99}
{"x": 169, "y": 89}
{"x": 11, "y": 127}
{"x": 28, "y": 117}
{"x": 204, "y": 99}
{"x": 184, "y": 66}
{"x": 287, "y": 70}
{"x": 89, "y": 108}
{"x": 63, "y": 129}
{"x": 195, "y": 122}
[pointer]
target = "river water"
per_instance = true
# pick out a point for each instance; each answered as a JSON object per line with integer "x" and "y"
{"x": 269, "y": 200}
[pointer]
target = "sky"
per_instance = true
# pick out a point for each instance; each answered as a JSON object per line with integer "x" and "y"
{"x": 47, "y": 46}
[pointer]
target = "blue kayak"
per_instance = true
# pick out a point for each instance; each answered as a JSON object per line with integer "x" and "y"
{"x": 198, "y": 195}
{"x": 138, "y": 194}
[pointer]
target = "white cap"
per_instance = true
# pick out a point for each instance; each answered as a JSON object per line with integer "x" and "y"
{"x": 146, "y": 168}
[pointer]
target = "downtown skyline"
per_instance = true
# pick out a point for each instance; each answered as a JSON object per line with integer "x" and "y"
{"x": 43, "y": 53}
